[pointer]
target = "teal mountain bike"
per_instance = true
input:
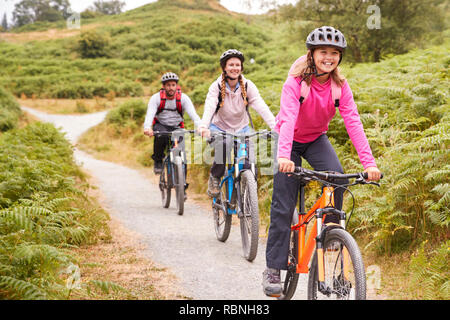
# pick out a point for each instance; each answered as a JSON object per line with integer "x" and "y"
{"x": 238, "y": 194}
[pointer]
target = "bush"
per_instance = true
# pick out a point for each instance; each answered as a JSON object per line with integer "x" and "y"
{"x": 93, "y": 44}
{"x": 41, "y": 213}
{"x": 9, "y": 111}
{"x": 132, "y": 111}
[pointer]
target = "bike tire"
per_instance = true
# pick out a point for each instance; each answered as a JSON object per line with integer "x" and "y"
{"x": 222, "y": 220}
{"x": 290, "y": 276}
{"x": 164, "y": 185}
{"x": 179, "y": 184}
{"x": 353, "y": 289}
{"x": 249, "y": 221}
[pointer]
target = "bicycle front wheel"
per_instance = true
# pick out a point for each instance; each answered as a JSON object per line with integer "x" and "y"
{"x": 179, "y": 184}
{"x": 164, "y": 185}
{"x": 290, "y": 276}
{"x": 222, "y": 219}
{"x": 345, "y": 277}
{"x": 249, "y": 221}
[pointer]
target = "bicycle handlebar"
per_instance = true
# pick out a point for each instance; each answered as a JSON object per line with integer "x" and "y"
{"x": 239, "y": 135}
{"x": 169, "y": 133}
{"x": 329, "y": 177}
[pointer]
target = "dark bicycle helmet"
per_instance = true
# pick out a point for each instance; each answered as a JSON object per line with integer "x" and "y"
{"x": 169, "y": 76}
{"x": 326, "y": 36}
{"x": 230, "y": 53}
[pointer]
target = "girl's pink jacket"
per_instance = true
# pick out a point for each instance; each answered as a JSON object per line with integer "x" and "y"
{"x": 306, "y": 123}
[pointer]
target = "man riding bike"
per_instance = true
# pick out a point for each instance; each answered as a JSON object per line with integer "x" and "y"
{"x": 165, "y": 113}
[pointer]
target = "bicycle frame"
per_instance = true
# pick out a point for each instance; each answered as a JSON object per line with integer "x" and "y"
{"x": 306, "y": 245}
{"x": 233, "y": 173}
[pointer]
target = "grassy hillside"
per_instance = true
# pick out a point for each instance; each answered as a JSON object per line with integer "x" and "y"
{"x": 140, "y": 45}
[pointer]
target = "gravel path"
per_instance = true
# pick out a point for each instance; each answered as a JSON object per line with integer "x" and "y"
{"x": 187, "y": 245}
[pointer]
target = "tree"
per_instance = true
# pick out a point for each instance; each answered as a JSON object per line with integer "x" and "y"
{"x": 108, "y": 7}
{"x": 4, "y": 22}
{"x": 30, "y": 11}
{"x": 372, "y": 28}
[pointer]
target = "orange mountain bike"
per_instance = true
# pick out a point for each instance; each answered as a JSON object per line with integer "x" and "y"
{"x": 336, "y": 270}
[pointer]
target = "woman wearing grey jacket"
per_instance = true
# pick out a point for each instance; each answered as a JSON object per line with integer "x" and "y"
{"x": 226, "y": 109}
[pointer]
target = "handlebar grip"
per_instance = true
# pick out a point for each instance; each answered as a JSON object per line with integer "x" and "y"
{"x": 366, "y": 175}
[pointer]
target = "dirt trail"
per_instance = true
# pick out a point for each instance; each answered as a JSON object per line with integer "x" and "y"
{"x": 205, "y": 267}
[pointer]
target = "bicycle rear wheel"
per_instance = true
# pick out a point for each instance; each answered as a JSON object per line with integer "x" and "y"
{"x": 179, "y": 184}
{"x": 345, "y": 277}
{"x": 164, "y": 185}
{"x": 249, "y": 221}
{"x": 222, "y": 220}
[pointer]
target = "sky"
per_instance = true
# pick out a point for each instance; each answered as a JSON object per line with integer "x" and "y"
{"x": 80, "y": 5}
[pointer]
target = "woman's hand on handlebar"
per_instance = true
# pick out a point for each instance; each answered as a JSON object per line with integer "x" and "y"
{"x": 285, "y": 165}
{"x": 373, "y": 174}
{"x": 204, "y": 132}
{"x": 148, "y": 132}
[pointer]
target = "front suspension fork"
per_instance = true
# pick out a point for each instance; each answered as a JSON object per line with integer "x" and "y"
{"x": 320, "y": 239}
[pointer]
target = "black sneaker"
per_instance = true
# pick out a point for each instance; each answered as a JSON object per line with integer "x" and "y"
{"x": 158, "y": 167}
{"x": 272, "y": 282}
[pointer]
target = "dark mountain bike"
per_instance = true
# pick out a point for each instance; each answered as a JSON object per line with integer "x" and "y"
{"x": 174, "y": 170}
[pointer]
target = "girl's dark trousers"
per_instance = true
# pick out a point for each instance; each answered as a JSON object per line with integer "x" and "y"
{"x": 322, "y": 157}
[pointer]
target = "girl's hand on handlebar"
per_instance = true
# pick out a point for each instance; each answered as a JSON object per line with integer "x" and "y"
{"x": 285, "y": 165}
{"x": 373, "y": 174}
{"x": 204, "y": 132}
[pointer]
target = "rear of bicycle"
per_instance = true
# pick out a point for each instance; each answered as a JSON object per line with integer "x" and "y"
{"x": 238, "y": 195}
{"x": 336, "y": 270}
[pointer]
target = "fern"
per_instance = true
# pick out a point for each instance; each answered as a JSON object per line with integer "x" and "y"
{"x": 429, "y": 271}
{"x": 37, "y": 218}
{"x": 104, "y": 286}
{"x": 20, "y": 289}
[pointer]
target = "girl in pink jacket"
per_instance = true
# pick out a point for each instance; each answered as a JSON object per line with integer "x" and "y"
{"x": 311, "y": 94}
{"x": 226, "y": 109}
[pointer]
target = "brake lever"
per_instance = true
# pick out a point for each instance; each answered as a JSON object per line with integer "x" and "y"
{"x": 361, "y": 180}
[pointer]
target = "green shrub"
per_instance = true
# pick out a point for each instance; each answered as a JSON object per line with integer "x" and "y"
{"x": 429, "y": 273}
{"x": 9, "y": 111}
{"x": 92, "y": 44}
{"x": 132, "y": 111}
{"x": 42, "y": 213}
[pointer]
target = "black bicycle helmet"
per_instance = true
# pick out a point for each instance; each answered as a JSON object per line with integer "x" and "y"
{"x": 326, "y": 36}
{"x": 169, "y": 76}
{"x": 230, "y": 53}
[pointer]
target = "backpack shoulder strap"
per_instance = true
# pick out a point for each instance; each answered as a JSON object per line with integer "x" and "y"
{"x": 178, "y": 100}
{"x": 336, "y": 93}
{"x": 220, "y": 98}
{"x": 304, "y": 91}
{"x": 162, "y": 104}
